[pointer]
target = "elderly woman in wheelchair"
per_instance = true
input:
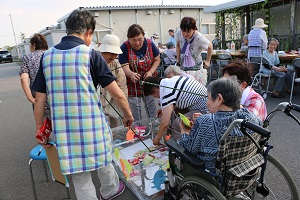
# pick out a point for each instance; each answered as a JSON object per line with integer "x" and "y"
{"x": 226, "y": 166}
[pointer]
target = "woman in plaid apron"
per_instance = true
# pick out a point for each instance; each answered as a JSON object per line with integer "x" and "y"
{"x": 70, "y": 73}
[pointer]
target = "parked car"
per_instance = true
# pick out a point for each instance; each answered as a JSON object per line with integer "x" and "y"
{"x": 5, "y": 56}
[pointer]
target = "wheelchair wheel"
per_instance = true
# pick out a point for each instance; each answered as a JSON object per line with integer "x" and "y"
{"x": 196, "y": 188}
{"x": 278, "y": 183}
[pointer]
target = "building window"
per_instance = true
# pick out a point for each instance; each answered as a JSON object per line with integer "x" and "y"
{"x": 208, "y": 29}
{"x": 204, "y": 28}
{"x": 212, "y": 29}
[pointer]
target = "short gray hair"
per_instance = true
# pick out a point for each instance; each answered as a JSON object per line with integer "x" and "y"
{"x": 80, "y": 21}
{"x": 172, "y": 69}
{"x": 245, "y": 37}
{"x": 229, "y": 89}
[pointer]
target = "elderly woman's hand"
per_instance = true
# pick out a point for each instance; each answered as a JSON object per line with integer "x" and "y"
{"x": 283, "y": 69}
{"x": 196, "y": 115}
{"x": 185, "y": 129}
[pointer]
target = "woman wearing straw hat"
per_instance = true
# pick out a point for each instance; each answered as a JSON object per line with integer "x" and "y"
{"x": 154, "y": 37}
{"x": 110, "y": 49}
{"x": 257, "y": 38}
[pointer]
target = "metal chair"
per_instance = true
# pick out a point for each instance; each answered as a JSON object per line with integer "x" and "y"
{"x": 296, "y": 64}
{"x": 37, "y": 153}
{"x": 223, "y": 60}
{"x": 162, "y": 65}
{"x": 213, "y": 65}
{"x": 257, "y": 78}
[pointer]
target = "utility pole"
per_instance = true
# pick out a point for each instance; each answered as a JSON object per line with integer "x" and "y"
{"x": 14, "y": 36}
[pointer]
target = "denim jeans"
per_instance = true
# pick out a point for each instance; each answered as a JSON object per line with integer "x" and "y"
{"x": 281, "y": 78}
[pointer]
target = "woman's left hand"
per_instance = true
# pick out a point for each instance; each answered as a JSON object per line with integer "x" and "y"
{"x": 147, "y": 74}
{"x": 196, "y": 115}
{"x": 206, "y": 65}
{"x": 283, "y": 69}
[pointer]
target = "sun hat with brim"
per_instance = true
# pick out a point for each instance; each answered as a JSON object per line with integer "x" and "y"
{"x": 156, "y": 35}
{"x": 259, "y": 23}
{"x": 110, "y": 44}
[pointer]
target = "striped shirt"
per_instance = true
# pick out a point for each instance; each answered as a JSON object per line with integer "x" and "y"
{"x": 183, "y": 92}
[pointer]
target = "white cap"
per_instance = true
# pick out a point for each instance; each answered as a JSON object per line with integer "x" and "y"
{"x": 259, "y": 23}
{"x": 110, "y": 44}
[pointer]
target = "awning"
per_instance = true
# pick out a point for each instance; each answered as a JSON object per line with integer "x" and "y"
{"x": 230, "y": 5}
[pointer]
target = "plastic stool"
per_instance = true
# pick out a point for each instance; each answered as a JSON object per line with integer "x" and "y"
{"x": 37, "y": 153}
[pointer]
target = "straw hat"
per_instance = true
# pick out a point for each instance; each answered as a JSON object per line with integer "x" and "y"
{"x": 259, "y": 23}
{"x": 110, "y": 44}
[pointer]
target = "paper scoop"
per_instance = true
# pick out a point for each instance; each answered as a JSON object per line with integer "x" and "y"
{"x": 185, "y": 120}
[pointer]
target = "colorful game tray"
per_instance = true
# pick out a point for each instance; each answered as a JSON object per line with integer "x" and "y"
{"x": 140, "y": 164}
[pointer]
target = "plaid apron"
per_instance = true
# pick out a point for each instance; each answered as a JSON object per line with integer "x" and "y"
{"x": 138, "y": 65}
{"x": 255, "y": 44}
{"x": 81, "y": 132}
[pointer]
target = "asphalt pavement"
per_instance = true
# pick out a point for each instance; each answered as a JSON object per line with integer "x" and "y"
{"x": 17, "y": 136}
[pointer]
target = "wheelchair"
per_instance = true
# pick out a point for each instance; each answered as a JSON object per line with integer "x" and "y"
{"x": 244, "y": 170}
{"x": 244, "y": 167}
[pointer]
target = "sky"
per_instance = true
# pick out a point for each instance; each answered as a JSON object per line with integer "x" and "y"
{"x": 31, "y": 16}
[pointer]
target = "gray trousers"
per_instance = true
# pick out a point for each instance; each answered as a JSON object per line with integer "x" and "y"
{"x": 136, "y": 108}
{"x": 85, "y": 188}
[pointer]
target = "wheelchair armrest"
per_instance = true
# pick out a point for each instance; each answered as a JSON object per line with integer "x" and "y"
{"x": 180, "y": 151}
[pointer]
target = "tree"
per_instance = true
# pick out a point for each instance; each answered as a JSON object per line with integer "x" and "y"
{"x": 8, "y": 48}
{"x": 22, "y": 37}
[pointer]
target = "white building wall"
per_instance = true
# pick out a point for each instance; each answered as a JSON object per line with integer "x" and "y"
{"x": 152, "y": 20}
{"x": 54, "y": 37}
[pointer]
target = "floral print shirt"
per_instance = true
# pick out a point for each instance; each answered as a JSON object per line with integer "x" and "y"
{"x": 31, "y": 64}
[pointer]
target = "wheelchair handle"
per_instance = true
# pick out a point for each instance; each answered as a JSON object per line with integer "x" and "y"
{"x": 286, "y": 107}
{"x": 230, "y": 128}
{"x": 258, "y": 129}
{"x": 295, "y": 107}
